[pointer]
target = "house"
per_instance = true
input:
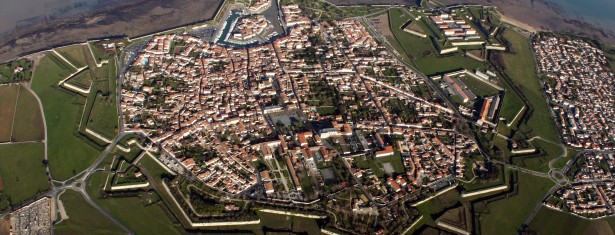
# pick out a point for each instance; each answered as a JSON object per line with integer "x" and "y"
{"x": 269, "y": 187}
{"x": 388, "y": 151}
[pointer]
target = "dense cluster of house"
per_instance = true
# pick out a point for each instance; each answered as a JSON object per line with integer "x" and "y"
{"x": 429, "y": 157}
{"x": 293, "y": 15}
{"x": 581, "y": 89}
{"x": 592, "y": 193}
{"x": 595, "y": 166}
{"x": 586, "y": 199}
{"x": 184, "y": 92}
{"x": 249, "y": 27}
{"x": 258, "y": 6}
{"x": 437, "y": 154}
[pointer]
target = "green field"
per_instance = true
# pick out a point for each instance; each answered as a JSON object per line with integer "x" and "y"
{"x": 154, "y": 169}
{"x": 289, "y": 223}
{"x": 102, "y": 72}
{"x": 560, "y": 163}
{"x": 134, "y": 149}
{"x": 74, "y": 54}
{"x": 361, "y": 10}
{"x": 137, "y": 213}
{"x": 395, "y": 161}
{"x": 431, "y": 208}
{"x": 372, "y": 163}
{"x": 609, "y": 53}
{"x": 540, "y": 163}
{"x": 98, "y": 51}
{"x": 82, "y": 80}
{"x": 549, "y": 221}
{"x": 413, "y": 45}
{"x": 502, "y": 179}
{"x": 28, "y": 124}
{"x": 83, "y": 218}
{"x": 22, "y": 170}
{"x": 511, "y": 105}
{"x": 95, "y": 184}
{"x": 101, "y": 110}
{"x": 103, "y": 117}
{"x": 520, "y": 67}
{"x": 479, "y": 88}
{"x": 130, "y": 156}
{"x": 8, "y": 98}
{"x": 68, "y": 153}
{"x": 509, "y": 213}
{"x": 60, "y": 63}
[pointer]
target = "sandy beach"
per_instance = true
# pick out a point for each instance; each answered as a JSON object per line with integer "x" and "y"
{"x": 541, "y": 15}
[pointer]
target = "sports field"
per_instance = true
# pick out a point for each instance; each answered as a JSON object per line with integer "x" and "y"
{"x": 22, "y": 170}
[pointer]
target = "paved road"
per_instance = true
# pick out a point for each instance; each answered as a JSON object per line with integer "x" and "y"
{"x": 78, "y": 183}
{"x": 85, "y": 175}
{"x": 564, "y": 170}
{"x": 81, "y": 178}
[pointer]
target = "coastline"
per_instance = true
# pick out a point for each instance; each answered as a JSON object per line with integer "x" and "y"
{"x": 136, "y": 20}
{"x": 145, "y": 19}
{"x": 541, "y": 15}
{"x": 517, "y": 23}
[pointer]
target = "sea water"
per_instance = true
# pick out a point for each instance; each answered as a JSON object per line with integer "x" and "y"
{"x": 15, "y": 14}
{"x": 599, "y": 13}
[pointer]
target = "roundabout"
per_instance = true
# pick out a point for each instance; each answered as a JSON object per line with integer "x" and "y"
{"x": 558, "y": 177}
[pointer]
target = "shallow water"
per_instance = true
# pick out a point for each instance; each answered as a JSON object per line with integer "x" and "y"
{"x": 21, "y": 13}
{"x": 600, "y": 13}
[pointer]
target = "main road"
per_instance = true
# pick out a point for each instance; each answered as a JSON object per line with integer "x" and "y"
{"x": 78, "y": 183}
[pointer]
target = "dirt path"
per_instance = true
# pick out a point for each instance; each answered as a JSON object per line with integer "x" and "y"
{"x": 36, "y": 58}
{"x": 14, "y": 113}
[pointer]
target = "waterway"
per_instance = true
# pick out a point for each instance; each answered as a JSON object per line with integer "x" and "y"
{"x": 229, "y": 24}
{"x": 271, "y": 14}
